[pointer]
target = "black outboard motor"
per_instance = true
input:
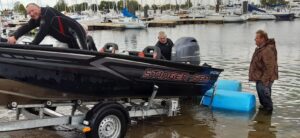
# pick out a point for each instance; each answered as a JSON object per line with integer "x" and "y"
{"x": 186, "y": 50}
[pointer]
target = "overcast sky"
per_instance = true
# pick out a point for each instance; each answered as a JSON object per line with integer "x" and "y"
{"x": 8, "y": 3}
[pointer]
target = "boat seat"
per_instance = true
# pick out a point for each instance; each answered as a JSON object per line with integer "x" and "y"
{"x": 90, "y": 43}
{"x": 110, "y": 48}
{"x": 152, "y": 52}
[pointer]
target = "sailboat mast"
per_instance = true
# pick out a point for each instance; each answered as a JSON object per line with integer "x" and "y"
{"x": 124, "y": 4}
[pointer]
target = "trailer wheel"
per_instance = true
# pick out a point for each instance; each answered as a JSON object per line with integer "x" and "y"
{"x": 108, "y": 123}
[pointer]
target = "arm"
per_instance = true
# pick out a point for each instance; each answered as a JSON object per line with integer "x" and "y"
{"x": 44, "y": 29}
{"x": 25, "y": 28}
{"x": 171, "y": 42}
{"x": 268, "y": 59}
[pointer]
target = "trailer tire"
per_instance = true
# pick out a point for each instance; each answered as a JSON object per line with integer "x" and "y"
{"x": 109, "y": 121}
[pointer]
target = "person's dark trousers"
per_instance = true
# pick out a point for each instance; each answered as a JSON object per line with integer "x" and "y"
{"x": 264, "y": 95}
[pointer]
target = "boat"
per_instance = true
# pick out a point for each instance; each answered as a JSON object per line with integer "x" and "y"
{"x": 256, "y": 13}
{"x": 282, "y": 16}
{"x": 34, "y": 73}
{"x": 283, "y": 13}
{"x": 255, "y": 16}
{"x": 296, "y": 11}
{"x": 226, "y": 18}
{"x": 197, "y": 12}
{"x": 131, "y": 23}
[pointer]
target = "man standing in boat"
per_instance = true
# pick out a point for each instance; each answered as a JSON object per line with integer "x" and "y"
{"x": 264, "y": 69}
{"x": 165, "y": 44}
{"x": 54, "y": 23}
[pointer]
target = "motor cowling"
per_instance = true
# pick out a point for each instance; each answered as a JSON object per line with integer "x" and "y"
{"x": 186, "y": 50}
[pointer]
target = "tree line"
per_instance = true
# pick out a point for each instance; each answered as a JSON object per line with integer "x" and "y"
{"x": 132, "y": 6}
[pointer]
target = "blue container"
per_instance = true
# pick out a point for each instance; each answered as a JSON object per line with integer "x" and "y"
{"x": 230, "y": 100}
{"x": 231, "y": 85}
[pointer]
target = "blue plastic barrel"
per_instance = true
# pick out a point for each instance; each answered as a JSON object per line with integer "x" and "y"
{"x": 230, "y": 100}
{"x": 231, "y": 85}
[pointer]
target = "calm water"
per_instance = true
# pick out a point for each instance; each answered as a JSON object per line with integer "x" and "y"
{"x": 230, "y": 47}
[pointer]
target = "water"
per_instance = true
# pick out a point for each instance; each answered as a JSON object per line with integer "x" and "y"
{"x": 230, "y": 47}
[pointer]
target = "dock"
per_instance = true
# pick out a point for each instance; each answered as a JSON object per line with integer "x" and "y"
{"x": 162, "y": 23}
{"x": 104, "y": 26}
{"x": 153, "y": 23}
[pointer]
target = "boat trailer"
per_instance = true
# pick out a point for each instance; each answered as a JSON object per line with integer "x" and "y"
{"x": 97, "y": 119}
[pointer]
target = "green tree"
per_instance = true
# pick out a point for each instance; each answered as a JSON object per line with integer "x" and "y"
{"x": 20, "y": 8}
{"x": 168, "y": 7}
{"x": 146, "y": 8}
{"x": 272, "y": 2}
{"x": 133, "y": 6}
{"x": 154, "y": 7}
{"x": 61, "y": 5}
{"x": 186, "y": 5}
{"x": 105, "y": 5}
{"x": 94, "y": 7}
{"x": 120, "y": 5}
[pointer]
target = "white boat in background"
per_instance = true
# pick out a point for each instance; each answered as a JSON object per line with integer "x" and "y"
{"x": 131, "y": 23}
{"x": 197, "y": 12}
{"x": 165, "y": 17}
{"x": 254, "y": 16}
{"x": 226, "y": 17}
{"x": 296, "y": 11}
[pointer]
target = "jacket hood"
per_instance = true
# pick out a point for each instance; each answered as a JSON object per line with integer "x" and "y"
{"x": 271, "y": 41}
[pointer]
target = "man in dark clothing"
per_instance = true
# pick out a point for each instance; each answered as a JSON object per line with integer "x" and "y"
{"x": 165, "y": 44}
{"x": 264, "y": 68}
{"x": 53, "y": 23}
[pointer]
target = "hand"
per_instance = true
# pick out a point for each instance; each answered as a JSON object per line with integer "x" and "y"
{"x": 11, "y": 40}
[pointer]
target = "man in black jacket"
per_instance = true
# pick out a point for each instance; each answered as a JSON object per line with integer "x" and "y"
{"x": 165, "y": 44}
{"x": 53, "y": 23}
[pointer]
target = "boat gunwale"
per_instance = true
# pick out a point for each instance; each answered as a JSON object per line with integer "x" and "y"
{"x": 4, "y": 46}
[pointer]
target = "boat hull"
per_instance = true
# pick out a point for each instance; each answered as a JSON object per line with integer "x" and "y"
{"x": 101, "y": 75}
{"x": 284, "y": 16}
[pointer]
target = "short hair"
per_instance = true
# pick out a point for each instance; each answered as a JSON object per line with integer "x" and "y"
{"x": 262, "y": 34}
{"x": 162, "y": 33}
{"x": 32, "y": 4}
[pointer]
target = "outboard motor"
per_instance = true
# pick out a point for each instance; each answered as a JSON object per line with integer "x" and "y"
{"x": 110, "y": 48}
{"x": 186, "y": 50}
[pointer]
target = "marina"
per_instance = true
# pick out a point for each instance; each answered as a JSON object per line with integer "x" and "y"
{"x": 226, "y": 46}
